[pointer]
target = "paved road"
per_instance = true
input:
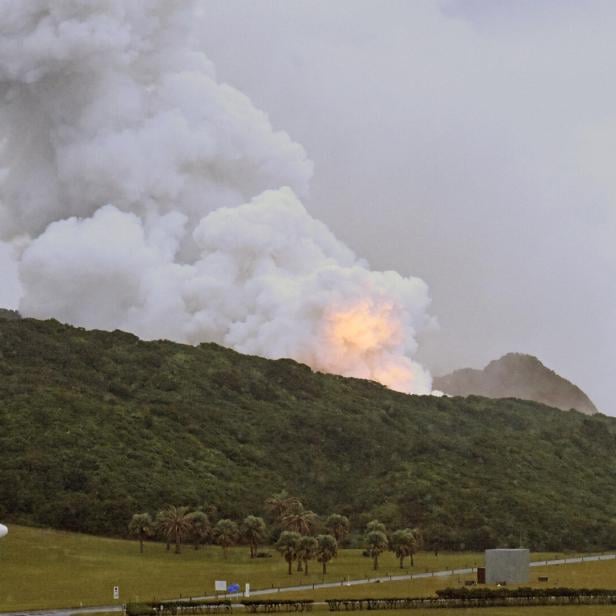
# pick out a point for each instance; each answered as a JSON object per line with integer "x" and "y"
{"x": 270, "y": 591}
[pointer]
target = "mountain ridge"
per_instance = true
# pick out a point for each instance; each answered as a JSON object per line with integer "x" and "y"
{"x": 517, "y": 375}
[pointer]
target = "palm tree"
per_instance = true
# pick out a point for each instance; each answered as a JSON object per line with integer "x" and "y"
{"x": 300, "y": 520}
{"x": 281, "y": 504}
{"x": 338, "y": 525}
{"x": 377, "y": 544}
{"x": 141, "y": 526}
{"x": 403, "y": 543}
{"x": 226, "y": 534}
{"x": 287, "y": 545}
{"x": 253, "y": 530}
{"x": 306, "y": 550}
{"x": 327, "y": 548}
{"x": 200, "y": 528}
{"x": 375, "y": 525}
{"x": 158, "y": 528}
{"x": 174, "y": 523}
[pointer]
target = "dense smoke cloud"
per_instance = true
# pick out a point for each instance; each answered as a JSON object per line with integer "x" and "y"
{"x": 139, "y": 193}
{"x": 467, "y": 141}
{"x": 10, "y": 288}
{"x": 110, "y": 102}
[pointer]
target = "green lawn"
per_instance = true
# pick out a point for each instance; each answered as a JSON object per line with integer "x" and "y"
{"x": 583, "y": 575}
{"x": 44, "y": 568}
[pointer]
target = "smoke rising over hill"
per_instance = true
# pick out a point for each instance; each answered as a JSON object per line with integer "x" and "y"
{"x": 137, "y": 192}
{"x": 476, "y": 137}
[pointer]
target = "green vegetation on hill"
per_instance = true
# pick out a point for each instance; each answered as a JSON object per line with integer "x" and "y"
{"x": 96, "y": 426}
{"x": 7, "y": 314}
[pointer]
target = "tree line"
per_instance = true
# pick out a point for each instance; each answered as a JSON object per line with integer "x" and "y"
{"x": 295, "y": 529}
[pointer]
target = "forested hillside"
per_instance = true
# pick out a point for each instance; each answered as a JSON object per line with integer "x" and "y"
{"x": 95, "y": 426}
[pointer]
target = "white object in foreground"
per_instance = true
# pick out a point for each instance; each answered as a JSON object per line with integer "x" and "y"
{"x": 4, "y": 531}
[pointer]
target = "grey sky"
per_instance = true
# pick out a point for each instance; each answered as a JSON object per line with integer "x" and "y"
{"x": 470, "y": 143}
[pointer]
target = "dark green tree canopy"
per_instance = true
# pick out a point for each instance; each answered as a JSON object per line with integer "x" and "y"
{"x": 96, "y": 426}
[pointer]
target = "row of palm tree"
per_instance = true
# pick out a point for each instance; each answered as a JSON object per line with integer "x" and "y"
{"x": 303, "y": 548}
{"x": 179, "y": 524}
{"x": 297, "y": 527}
{"x": 404, "y": 543}
{"x": 289, "y": 514}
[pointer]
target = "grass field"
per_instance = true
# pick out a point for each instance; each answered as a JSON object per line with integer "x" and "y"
{"x": 583, "y": 575}
{"x": 44, "y": 568}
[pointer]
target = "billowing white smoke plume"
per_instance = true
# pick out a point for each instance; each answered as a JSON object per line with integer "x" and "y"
{"x": 137, "y": 192}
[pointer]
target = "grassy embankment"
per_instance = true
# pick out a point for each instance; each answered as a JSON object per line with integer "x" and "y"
{"x": 43, "y": 568}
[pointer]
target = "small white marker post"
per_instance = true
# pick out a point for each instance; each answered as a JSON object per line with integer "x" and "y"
{"x": 4, "y": 531}
{"x": 247, "y": 590}
{"x": 116, "y": 592}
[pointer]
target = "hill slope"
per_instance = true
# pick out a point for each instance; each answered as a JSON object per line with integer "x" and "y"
{"x": 516, "y": 375}
{"x": 95, "y": 426}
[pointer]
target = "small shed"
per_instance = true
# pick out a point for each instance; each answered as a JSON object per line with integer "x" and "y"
{"x": 507, "y": 566}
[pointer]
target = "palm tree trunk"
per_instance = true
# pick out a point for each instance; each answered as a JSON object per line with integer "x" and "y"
{"x": 306, "y": 567}
{"x": 376, "y": 562}
{"x": 178, "y": 541}
{"x": 290, "y": 563}
{"x": 401, "y": 562}
{"x": 324, "y": 567}
{"x": 412, "y": 561}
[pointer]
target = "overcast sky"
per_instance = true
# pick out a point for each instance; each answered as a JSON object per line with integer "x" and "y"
{"x": 468, "y": 142}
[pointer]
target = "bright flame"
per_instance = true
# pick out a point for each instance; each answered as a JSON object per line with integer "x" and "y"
{"x": 364, "y": 341}
{"x": 396, "y": 373}
{"x": 363, "y": 328}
